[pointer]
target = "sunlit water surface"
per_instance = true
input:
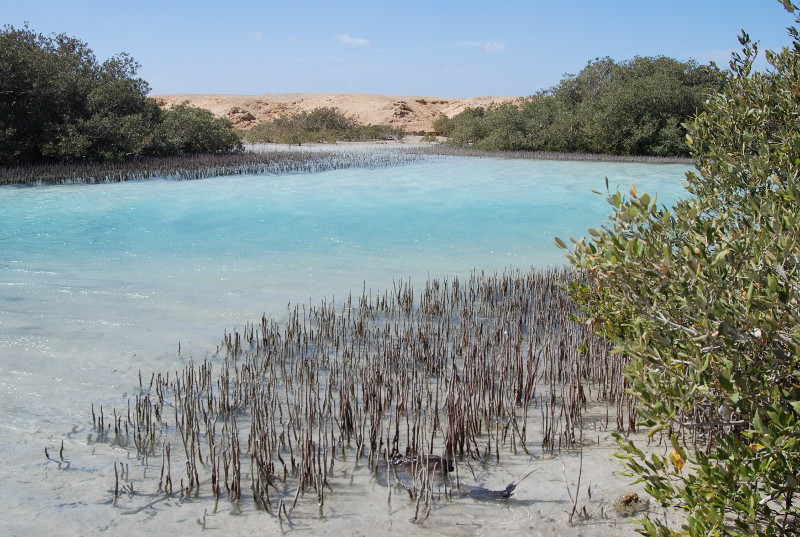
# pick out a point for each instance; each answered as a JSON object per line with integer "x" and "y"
{"x": 100, "y": 282}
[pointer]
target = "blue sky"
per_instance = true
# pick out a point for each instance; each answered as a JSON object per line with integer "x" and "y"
{"x": 408, "y": 47}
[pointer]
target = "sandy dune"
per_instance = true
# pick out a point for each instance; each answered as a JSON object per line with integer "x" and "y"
{"x": 415, "y": 114}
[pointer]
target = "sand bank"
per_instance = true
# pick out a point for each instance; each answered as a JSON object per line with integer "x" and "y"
{"x": 412, "y": 113}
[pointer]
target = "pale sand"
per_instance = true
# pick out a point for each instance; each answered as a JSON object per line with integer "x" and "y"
{"x": 78, "y": 500}
{"x": 415, "y": 114}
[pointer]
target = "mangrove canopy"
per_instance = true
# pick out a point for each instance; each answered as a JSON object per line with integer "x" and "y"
{"x": 704, "y": 299}
{"x": 635, "y": 107}
{"x": 59, "y": 103}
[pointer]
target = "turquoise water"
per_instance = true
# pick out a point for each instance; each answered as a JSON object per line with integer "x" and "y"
{"x": 95, "y": 274}
{"x": 98, "y": 282}
{"x": 445, "y": 217}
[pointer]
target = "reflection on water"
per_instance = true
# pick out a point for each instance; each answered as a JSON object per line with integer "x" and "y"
{"x": 100, "y": 282}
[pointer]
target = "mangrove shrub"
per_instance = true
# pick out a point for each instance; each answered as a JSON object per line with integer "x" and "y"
{"x": 323, "y": 124}
{"x": 635, "y": 107}
{"x": 704, "y": 299}
{"x": 185, "y": 129}
{"x": 58, "y": 103}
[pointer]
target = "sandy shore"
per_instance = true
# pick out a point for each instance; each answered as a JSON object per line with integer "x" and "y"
{"x": 413, "y": 113}
{"x": 77, "y": 500}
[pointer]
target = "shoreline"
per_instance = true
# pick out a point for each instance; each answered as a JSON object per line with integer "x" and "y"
{"x": 283, "y": 158}
{"x": 444, "y": 149}
{"x": 578, "y": 487}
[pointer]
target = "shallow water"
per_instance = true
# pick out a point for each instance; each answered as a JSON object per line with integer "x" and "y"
{"x": 99, "y": 282}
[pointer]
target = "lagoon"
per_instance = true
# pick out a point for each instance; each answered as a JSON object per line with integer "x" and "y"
{"x": 99, "y": 282}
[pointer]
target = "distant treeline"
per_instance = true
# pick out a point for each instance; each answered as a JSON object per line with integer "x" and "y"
{"x": 324, "y": 124}
{"x": 635, "y": 107}
{"x": 59, "y": 104}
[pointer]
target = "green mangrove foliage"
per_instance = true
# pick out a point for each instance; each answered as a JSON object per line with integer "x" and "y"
{"x": 324, "y": 124}
{"x": 185, "y": 129}
{"x": 58, "y": 103}
{"x": 635, "y": 107}
{"x": 704, "y": 299}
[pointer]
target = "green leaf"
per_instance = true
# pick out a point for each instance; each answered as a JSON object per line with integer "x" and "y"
{"x": 656, "y": 429}
{"x": 759, "y": 425}
{"x": 720, "y": 256}
{"x": 772, "y": 283}
{"x": 725, "y": 382}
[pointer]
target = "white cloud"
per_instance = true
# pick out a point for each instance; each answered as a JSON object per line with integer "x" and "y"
{"x": 352, "y": 41}
{"x": 494, "y": 46}
{"x": 487, "y": 46}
